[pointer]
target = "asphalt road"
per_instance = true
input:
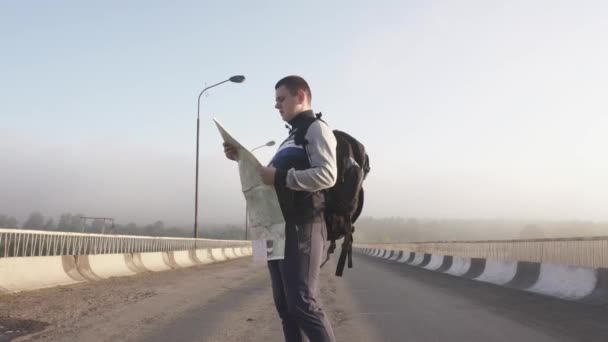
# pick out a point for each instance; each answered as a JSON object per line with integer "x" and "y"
{"x": 405, "y": 303}
{"x": 375, "y": 301}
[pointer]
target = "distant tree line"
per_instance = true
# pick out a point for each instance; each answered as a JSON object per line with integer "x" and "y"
{"x": 397, "y": 229}
{"x": 8, "y": 221}
{"x": 367, "y": 229}
{"x": 73, "y": 223}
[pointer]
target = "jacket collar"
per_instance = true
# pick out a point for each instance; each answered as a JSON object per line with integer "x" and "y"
{"x": 301, "y": 118}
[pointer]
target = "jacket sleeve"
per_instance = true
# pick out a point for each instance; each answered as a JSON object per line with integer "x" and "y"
{"x": 321, "y": 151}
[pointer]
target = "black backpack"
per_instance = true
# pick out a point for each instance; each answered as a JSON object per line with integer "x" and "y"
{"x": 343, "y": 201}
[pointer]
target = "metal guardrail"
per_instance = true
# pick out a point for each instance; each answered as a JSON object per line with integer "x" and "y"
{"x": 576, "y": 251}
{"x": 20, "y": 243}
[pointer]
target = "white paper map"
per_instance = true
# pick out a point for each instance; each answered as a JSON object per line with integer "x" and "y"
{"x": 266, "y": 227}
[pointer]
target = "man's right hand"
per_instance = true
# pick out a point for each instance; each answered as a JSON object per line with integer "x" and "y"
{"x": 230, "y": 151}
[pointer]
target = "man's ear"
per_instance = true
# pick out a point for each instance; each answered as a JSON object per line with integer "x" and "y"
{"x": 302, "y": 96}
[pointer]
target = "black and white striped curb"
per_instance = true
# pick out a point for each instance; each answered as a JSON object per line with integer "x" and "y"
{"x": 574, "y": 283}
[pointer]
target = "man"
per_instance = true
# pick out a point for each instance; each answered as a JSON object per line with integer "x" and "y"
{"x": 300, "y": 170}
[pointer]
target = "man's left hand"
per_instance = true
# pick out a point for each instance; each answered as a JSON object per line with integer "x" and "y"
{"x": 267, "y": 174}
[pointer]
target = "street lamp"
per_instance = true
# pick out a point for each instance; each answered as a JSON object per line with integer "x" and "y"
{"x": 234, "y": 79}
{"x": 270, "y": 143}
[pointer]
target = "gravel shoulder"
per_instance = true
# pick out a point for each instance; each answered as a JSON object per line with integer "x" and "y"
{"x": 229, "y": 301}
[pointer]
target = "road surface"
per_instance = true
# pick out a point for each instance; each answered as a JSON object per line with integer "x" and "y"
{"x": 232, "y": 301}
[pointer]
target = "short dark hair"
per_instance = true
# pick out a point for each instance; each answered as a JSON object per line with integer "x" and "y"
{"x": 293, "y": 84}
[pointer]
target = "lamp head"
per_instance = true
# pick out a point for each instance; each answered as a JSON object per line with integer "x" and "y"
{"x": 237, "y": 79}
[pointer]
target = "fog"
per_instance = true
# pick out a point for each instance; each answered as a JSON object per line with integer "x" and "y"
{"x": 130, "y": 184}
{"x": 135, "y": 184}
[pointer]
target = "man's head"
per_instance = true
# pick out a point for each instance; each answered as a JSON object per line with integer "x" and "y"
{"x": 292, "y": 96}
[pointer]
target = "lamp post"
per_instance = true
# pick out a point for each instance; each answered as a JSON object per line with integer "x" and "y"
{"x": 270, "y": 143}
{"x": 234, "y": 79}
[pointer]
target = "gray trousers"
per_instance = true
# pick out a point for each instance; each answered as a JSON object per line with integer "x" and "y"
{"x": 295, "y": 283}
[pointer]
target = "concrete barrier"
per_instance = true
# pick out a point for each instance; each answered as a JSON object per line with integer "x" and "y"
{"x": 183, "y": 259}
{"x": 71, "y": 268}
{"x": 478, "y": 265}
{"x": 204, "y": 256}
{"x": 407, "y": 257}
{"x": 566, "y": 282}
{"x": 154, "y": 261}
{"x": 425, "y": 260}
{"x": 218, "y": 254}
{"x": 169, "y": 259}
{"x": 37, "y": 272}
{"x": 133, "y": 264}
{"x": 396, "y": 255}
{"x": 575, "y": 251}
{"x": 402, "y": 256}
{"x": 574, "y": 283}
{"x": 42, "y": 272}
{"x": 139, "y": 264}
{"x": 103, "y": 266}
{"x": 82, "y": 264}
{"x": 229, "y": 253}
{"x": 460, "y": 266}
{"x": 527, "y": 275}
{"x": 435, "y": 262}
{"x": 498, "y": 272}
{"x": 446, "y": 264}
{"x": 418, "y": 259}
{"x": 600, "y": 293}
{"x": 192, "y": 255}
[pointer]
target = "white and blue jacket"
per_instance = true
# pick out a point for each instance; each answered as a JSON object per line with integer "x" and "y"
{"x": 305, "y": 165}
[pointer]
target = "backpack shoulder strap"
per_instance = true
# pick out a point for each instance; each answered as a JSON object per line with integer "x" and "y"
{"x": 345, "y": 254}
{"x": 319, "y": 116}
{"x": 357, "y": 212}
{"x": 300, "y": 134}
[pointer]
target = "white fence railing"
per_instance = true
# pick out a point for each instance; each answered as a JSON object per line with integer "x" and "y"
{"x": 576, "y": 251}
{"x": 18, "y": 242}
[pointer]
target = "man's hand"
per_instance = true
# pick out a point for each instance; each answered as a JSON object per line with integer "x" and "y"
{"x": 230, "y": 151}
{"x": 267, "y": 174}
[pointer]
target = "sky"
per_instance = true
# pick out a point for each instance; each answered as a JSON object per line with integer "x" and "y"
{"x": 468, "y": 109}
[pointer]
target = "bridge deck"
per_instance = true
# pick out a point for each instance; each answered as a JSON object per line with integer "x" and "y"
{"x": 231, "y": 301}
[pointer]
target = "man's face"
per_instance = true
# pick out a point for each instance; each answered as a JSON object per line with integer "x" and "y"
{"x": 287, "y": 104}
